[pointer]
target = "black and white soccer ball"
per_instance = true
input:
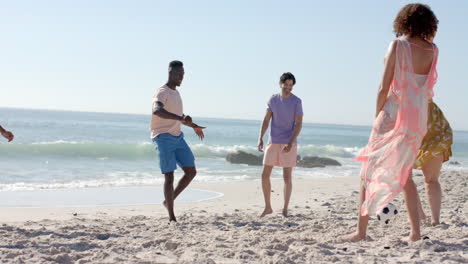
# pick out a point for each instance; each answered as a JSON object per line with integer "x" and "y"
{"x": 387, "y": 213}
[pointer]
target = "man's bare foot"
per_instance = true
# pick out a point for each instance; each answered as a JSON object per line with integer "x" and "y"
{"x": 353, "y": 237}
{"x": 285, "y": 212}
{"x": 266, "y": 211}
{"x": 172, "y": 219}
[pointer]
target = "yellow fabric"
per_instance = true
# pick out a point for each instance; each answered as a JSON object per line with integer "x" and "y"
{"x": 438, "y": 139}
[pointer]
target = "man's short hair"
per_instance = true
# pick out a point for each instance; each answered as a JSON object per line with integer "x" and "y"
{"x": 175, "y": 64}
{"x": 287, "y": 76}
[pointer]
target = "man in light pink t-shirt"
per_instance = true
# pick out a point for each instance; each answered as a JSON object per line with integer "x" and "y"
{"x": 173, "y": 104}
{"x": 167, "y": 116}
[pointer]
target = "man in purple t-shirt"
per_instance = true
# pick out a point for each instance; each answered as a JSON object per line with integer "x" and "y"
{"x": 285, "y": 112}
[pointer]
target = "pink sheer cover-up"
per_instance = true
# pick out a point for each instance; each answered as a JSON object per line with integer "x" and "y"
{"x": 397, "y": 132}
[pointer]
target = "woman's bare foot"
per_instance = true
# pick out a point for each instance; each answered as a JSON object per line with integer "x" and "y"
{"x": 434, "y": 223}
{"x": 412, "y": 237}
{"x": 422, "y": 215}
{"x": 285, "y": 212}
{"x": 266, "y": 212}
{"x": 353, "y": 237}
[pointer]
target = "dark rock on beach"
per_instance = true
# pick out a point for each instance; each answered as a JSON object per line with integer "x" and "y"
{"x": 312, "y": 162}
{"x": 241, "y": 157}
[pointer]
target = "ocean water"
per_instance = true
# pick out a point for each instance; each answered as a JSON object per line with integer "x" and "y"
{"x": 73, "y": 150}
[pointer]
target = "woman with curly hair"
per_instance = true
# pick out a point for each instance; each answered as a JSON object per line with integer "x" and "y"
{"x": 401, "y": 118}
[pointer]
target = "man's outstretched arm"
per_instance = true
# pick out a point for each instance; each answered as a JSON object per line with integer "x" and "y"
{"x": 158, "y": 109}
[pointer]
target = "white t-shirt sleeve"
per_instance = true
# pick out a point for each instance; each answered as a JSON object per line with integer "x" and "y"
{"x": 160, "y": 96}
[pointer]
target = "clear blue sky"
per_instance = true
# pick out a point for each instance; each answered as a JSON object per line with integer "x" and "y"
{"x": 110, "y": 56}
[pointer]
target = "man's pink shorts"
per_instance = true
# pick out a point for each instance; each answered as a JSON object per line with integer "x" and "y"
{"x": 275, "y": 156}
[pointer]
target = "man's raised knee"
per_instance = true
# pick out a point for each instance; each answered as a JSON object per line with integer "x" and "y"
{"x": 190, "y": 172}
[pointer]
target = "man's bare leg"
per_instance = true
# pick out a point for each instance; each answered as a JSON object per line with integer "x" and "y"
{"x": 266, "y": 187}
{"x": 189, "y": 174}
{"x": 431, "y": 172}
{"x": 287, "y": 176}
{"x": 169, "y": 194}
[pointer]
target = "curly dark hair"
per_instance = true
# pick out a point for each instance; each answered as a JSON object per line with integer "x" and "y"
{"x": 415, "y": 20}
{"x": 287, "y": 76}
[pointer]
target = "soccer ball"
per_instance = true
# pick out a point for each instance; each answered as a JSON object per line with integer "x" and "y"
{"x": 387, "y": 213}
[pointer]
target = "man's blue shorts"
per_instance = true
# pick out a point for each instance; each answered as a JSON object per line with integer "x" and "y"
{"x": 173, "y": 150}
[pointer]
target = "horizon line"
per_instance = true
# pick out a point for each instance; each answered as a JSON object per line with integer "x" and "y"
{"x": 229, "y": 118}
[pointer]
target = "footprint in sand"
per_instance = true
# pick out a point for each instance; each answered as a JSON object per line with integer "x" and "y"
{"x": 171, "y": 245}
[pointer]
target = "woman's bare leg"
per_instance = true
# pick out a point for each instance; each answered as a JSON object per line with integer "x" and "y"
{"x": 431, "y": 171}
{"x": 361, "y": 231}
{"x": 411, "y": 199}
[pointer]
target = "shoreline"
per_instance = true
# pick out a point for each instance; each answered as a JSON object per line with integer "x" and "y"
{"x": 97, "y": 197}
{"x": 236, "y": 196}
{"x": 228, "y": 229}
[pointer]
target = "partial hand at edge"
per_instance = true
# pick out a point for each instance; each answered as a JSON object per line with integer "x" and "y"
{"x": 8, "y": 135}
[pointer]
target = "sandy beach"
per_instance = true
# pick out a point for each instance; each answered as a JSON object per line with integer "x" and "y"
{"x": 228, "y": 230}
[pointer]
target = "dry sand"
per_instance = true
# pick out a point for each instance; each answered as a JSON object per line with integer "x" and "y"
{"x": 228, "y": 230}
